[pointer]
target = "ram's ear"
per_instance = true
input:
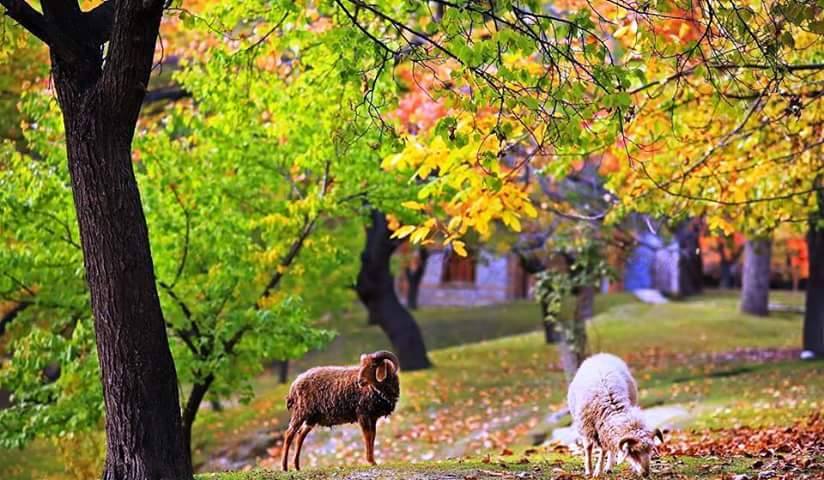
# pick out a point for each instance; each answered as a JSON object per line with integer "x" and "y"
{"x": 659, "y": 435}
{"x": 626, "y": 444}
{"x": 382, "y": 371}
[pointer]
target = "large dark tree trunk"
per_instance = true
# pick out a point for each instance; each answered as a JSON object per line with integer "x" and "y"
{"x": 376, "y": 289}
{"x": 100, "y": 105}
{"x": 814, "y": 309}
{"x": 755, "y": 290}
{"x": 690, "y": 266}
{"x": 414, "y": 276}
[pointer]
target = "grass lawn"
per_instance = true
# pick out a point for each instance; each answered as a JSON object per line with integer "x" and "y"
{"x": 495, "y": 381}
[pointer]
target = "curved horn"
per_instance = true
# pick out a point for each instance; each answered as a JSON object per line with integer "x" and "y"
{"x": 386, "y": 355}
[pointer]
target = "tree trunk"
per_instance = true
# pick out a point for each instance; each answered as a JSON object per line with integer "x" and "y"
{"x": 414, "y": 276}
{"x": 755, "y": 291}
{"x": 100, "y": 108}
{"x": 585, "y": 304}
{"x": 550, "y": 328}
{"x": 196, "y": 396}
{"x": 727, "y": 280}
{"x": 283, "y": 371}
{"x": 572, "y": 346}
{"x": 814, "y": 309}
{"x": 376, "y": 290}
{"x": 690, "y": 266}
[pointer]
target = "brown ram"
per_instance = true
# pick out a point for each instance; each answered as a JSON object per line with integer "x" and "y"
{"x": 329, "y": 396}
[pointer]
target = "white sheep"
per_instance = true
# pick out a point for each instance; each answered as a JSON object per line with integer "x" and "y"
{"x": 603, "y": 402}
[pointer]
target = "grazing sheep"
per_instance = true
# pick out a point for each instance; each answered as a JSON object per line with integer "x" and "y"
{"x": 603, "y": 402}
{"x": 330, "y": 396}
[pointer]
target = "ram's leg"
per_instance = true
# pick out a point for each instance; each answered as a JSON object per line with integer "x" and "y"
{"x": 370, "y": 452}
{"x": 368, "y": 428}
{"x": 287, "y": 441}
{"x": 587, "y": 457}
{"x": 301, "y": 436}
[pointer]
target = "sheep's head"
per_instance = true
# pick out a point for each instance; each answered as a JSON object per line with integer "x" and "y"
{"x": 376, "y": 367}
{"x": 639, "y": 449}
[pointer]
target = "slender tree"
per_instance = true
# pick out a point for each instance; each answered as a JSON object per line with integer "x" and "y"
{"x": 100, "y": 102}
{"x": 414, "y": 275}
{"x": 814, "y": 311}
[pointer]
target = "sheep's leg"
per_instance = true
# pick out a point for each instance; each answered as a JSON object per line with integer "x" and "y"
{"x": 301, "y": 436}
{"x": 287, "y": 442}
{"x": 608, "y": 467}
{"x": 599, "y": 463}
{"x": 368, "y": 427}
{"x": 587, "y": 458}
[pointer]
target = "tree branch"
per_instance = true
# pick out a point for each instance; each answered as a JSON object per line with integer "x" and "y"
{"x": 27, "y": 17}
{"x": 171, "y": 94}
{"x": 12, "y": 314}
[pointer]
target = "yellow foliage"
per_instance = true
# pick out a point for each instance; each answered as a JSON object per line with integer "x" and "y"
{"x": 82, "y": 454}
{"x": 459, "y": 247}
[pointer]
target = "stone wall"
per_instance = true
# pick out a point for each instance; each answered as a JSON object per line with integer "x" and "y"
{"x": 492, "y": 283}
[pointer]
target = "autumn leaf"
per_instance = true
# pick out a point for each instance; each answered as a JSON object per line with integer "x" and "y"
{"x": 404, "y": 231}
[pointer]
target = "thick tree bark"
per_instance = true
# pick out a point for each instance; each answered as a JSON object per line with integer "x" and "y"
{"x": 414, "y": 276}
{"x": 376, "y": 289}
{"x": 690, "y": 266}
{"x": 755, "y": 290}
{"x": 100, "y": 105}
{"x": 814, "y": 309}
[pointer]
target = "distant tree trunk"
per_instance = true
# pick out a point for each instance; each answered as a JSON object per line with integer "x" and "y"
{"x": 755, "y": 291}
{"x": 414, "y": 276}
{"x": 585, "y": 304}
{"x": 376, "y": 290}
{"x": 814, "y": 308}
{"x": 690, "y": 266}
{"x": 550, "y": 330}
{"x": 283, "y": 371}
{"x": 726, "y": 280}
{"x": 572, "y": 347}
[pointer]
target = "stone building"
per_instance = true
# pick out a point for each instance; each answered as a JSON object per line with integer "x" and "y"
{"x": 482, "y": 278}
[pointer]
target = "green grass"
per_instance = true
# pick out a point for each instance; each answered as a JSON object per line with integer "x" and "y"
{"x": 494, "y": 374}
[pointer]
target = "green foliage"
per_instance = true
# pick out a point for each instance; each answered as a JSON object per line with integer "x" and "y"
{"x": 254, "y": 195}
{"x": 585, "y": 265}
